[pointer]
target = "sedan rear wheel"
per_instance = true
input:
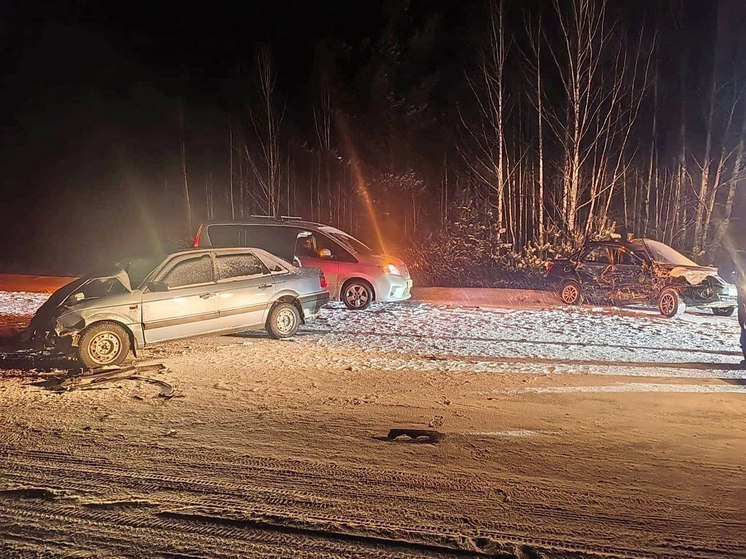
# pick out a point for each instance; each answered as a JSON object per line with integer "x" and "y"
{"x": 283, "y": 321}
{"x": 102, "y": 344}
{"x": 571, "y": 293}
{"x": 670, "y": 303}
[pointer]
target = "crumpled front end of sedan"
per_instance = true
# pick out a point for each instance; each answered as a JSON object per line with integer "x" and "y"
{"x": 707, "y": 290}
{"x": 58, "y": 323}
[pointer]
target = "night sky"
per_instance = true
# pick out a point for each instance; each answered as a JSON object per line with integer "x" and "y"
{"x": 91, "y": 90}
{"x": 89, "y": 99}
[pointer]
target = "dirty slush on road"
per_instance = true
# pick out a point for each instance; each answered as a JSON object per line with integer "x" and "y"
{"x": 581, "y": 432}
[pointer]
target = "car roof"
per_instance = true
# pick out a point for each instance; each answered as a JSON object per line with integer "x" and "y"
{"x": 618, "y": 243}
{"x": 634, "y": 243}
{"x": 221, "y": 250}
{"x": 270, "y": 221}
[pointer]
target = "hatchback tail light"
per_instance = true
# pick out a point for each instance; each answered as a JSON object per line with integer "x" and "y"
{"x": 195, "y": 243}
{"x": 549, "y": 266}
{"x": 322, "y": 279}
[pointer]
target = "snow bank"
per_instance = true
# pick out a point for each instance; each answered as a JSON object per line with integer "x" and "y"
{"x": 451, "y": 339}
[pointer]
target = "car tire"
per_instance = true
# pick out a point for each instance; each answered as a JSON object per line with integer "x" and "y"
{"x": 723, "y": 311}
{"x": 571, "y": 293}
{"x": 103, "y": 344}
{"x": 283, "y": 321}
{"x": 357, "y": 295}
{"x": 670, "y": 303}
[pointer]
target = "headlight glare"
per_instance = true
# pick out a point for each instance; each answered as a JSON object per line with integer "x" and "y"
{"x": 391, "y": 269}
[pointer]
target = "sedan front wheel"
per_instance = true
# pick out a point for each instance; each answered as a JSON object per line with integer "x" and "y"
{"x": 102, "y": 344}
{"x": 670, "y": 303}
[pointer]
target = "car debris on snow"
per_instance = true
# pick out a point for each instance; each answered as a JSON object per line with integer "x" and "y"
{"x": 94, "y": 378}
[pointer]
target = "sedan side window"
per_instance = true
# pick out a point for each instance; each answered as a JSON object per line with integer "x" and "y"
{"x": 233, "y": 266}
{"x": 194, "y": 271}
{"x": 627, "y": 257}
{"x": 597, "y": 254}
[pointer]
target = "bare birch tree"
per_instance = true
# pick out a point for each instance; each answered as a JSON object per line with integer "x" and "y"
{"x": 266, "y": 120}
{"x": 488, "y": 161}
{"x": 182, "y": 145}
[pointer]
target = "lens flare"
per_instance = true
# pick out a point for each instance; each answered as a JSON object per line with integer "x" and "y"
{"x": 360, "y": 182}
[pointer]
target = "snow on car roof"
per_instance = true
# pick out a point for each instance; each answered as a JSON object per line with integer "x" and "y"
{"x": 664, "y": 254}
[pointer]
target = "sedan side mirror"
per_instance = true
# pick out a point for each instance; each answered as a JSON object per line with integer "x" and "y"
{"x": 158, "y": 286}
{"x": 325, "y": 253}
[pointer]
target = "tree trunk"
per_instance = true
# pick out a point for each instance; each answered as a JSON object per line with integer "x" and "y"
{"x": 184, "y": 169}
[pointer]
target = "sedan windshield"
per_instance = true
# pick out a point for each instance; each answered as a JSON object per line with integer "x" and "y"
{"x": 664, "y": 254}
{"x": 140, "y": 268}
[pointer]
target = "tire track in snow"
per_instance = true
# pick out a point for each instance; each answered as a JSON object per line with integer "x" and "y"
{"x": 224, "y": 499}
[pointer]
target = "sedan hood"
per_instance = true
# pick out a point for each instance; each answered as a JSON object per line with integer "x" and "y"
{"x": 693, "y": 274}
{"x": 49, "y": 310}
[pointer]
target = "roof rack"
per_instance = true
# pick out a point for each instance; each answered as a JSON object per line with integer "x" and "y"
{"x": 278, "y": 217}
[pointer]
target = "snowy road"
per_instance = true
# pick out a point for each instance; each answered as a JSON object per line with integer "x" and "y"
{"x": 570, "y": 432}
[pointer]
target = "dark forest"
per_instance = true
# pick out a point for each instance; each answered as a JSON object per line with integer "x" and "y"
{"x": 495, "y": 134}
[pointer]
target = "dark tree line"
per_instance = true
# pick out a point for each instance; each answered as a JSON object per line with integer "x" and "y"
{"x": 562, "y": 121}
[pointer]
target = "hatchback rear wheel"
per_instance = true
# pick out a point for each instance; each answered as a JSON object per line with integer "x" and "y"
{"x": 723, "y": 311}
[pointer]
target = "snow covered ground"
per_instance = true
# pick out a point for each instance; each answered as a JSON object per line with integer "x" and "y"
{"x": 584, "y": 340}
{"x": 569, "y": 432}
{"x": 576, "y": 340}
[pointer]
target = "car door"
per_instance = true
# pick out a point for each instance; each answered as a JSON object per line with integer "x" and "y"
{"x": 594, "y": 266}
{"x": 320, "y": 251}
{"x": 182, "y": 300}
{"x": 245, "y": 289}
{"x": 627, "y": 267}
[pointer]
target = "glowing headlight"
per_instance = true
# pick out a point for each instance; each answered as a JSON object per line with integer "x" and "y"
{"x": 390, "y": 269}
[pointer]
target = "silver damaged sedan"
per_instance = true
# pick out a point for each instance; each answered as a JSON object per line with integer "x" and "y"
{"x": 102, "y": 316}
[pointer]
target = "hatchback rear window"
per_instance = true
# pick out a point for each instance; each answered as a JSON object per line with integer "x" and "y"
{"x": 224, "y": 235}
{"x": 277, "y": 240}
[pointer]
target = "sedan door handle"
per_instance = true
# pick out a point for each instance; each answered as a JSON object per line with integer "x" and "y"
{"x": 206, "y": 295}
{"x": 264, "y": 286}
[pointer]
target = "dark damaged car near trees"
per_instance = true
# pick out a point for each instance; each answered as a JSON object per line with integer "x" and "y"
{"x": 102, "y": 316}
{"x": 640, "y": 271}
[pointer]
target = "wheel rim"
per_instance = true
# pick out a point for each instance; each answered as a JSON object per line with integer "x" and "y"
{"x": 570, "y": 294}
{"x": 285, "y": 321}
{"x": 356, "y": 296}
{"x": 104, "y": 347}
{"x": 668, "y": 303}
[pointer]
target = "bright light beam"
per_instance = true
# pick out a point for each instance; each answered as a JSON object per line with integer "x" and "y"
{"x": 362, "y": 185}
